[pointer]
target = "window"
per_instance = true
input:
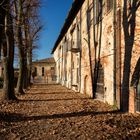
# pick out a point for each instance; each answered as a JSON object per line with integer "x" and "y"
{"x": 35, "y": 71}
{"x": 42, "y": 71}
{"x": 52, "y": 68}
{"x": 97, "y": 11}
{"x": 65, "y": 75}
{"x": 73, "y": 64}
{"x": 77, "y": 78}
{"x": 88, "y": 19}
{"x": 89, "y": 15}
{"x": 109, "y": 5}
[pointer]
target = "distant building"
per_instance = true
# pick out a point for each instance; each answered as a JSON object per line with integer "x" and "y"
{"x": 43, "y": 71}
{"x": 98, "y": 51}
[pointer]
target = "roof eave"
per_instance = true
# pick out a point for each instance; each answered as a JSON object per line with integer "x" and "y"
{"x": 77, "y": 4}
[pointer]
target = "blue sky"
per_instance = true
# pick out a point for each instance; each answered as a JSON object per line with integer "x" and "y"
{"x": 52, "y": 14}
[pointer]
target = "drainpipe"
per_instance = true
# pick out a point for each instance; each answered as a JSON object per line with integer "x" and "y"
{"x": 62, "y": 69}
{"x": 95, "y": 50}
{"x": 80, "y": 45}
{"x": 90, "y": 57}
{"x": 71, "y": 60}
{"x": 114, "y": 71}
{"x": 79, "y": 35}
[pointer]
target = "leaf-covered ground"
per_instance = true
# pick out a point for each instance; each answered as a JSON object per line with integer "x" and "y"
{"x": 52, "y": 112}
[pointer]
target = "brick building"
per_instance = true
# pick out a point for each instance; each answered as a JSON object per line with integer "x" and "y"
{"x": 98, "y": 51}
{"x": 43, "y": 71}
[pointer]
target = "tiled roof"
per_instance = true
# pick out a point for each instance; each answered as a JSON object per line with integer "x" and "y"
{"x": 46, "y": 60}
{"x": 71, "y": 15}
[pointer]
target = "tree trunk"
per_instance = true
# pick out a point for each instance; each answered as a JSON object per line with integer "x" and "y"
{"x": 29, "y": 58}
{"x": 20, "y": 49}
{"x": 21, "y": 72}
{"x": 25, "y": 82}
{"x": 29, "y": 65}
{"x": 129, "y": 25}
{"x": 8, "y": 53}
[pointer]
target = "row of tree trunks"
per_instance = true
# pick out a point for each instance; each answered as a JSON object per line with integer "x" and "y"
{"x": 16, "y": 19}
{"x": 25, "y": 38}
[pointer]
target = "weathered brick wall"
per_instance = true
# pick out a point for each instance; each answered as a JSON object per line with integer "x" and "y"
{"x": 106, "y": 57}
{"x": 104, "y": 35}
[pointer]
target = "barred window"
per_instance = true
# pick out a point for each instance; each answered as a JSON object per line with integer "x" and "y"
{"x": 109, "y": 5}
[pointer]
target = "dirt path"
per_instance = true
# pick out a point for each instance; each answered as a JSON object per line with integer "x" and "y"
{"x": 52, "y": 112}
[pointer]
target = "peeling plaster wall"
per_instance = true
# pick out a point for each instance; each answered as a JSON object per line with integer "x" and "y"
{"x": 107, "y": 59}
{"x": 86, "y": 84}
{"x": 56, "y": 58}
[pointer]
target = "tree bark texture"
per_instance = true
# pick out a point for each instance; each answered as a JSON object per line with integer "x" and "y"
{"x": 8, "y": 51}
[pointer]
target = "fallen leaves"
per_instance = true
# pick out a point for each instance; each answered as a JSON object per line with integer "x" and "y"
{"x": 54, "y": 112}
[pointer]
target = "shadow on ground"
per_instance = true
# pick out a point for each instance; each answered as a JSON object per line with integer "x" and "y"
{"x": 14, "y": 117}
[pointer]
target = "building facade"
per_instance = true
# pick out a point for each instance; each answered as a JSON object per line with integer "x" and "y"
{"x": 98, "y": 51}
{"x": 43, "y": 71}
